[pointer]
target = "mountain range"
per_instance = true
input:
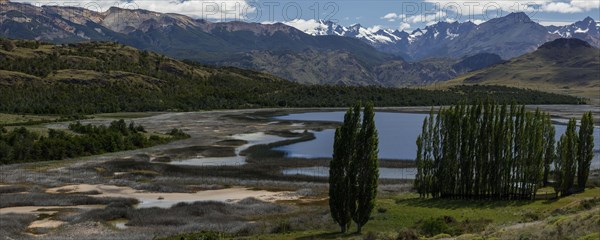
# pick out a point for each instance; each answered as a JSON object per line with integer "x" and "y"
{"x": 331, "y": 54}
{"x": 171, "y": 34}
{"x": 509, "y": 36}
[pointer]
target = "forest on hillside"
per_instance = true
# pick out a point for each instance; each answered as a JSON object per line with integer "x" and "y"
{"x": 101, "y": 77}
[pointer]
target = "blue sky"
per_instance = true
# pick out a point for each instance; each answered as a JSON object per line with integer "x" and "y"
{"x": 392, "y": 14}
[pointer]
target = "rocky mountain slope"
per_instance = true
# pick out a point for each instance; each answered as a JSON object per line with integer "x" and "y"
{"x": 570, "y": 66}
{"x": 172, "y": 34}
{"x": 341, "y": 68}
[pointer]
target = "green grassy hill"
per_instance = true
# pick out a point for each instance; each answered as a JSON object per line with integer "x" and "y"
{"x": 98, "y": 77}
{"x": 566, "y": 66}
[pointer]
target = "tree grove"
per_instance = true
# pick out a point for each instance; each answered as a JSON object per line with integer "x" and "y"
{"x": 491, "y": 151}
{"x": 484, "y": 151}
{"x": 353, "y": 171}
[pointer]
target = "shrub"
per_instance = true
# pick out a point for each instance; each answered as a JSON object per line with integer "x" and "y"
{"x": 441, "y": 236}
{"x": 593, "y": 236}
{"x": 434, "y": 226}
{"x": 588, "y": 204}
{"x": 370, "y": 236}
{"x": 7, "y": 45}
{"x": 282, "y": 227}
{"x": 525, "y": 236}
{"x": 531, "y": 216}
{"x": 449, "y": 225}
{"x": 204, "y": 235}
{"x": 407, "y": 234}
{"x": 472, "y": 226}
{"x": 178, "y": 134}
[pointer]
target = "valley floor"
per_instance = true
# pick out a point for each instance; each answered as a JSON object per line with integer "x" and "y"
{"x": 142, "y": 194}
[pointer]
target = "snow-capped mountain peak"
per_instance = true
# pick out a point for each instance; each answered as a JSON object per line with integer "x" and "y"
{"x": 377, "y": 36}
{"x": 447, "y": 33}
{"x": 587, "y": 26}
{"x": 372, "y": 35}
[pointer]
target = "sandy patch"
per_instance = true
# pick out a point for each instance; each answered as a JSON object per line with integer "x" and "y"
{"x": 46, "y": 223}
{"x": 521, "y": 225}
{"x": 120, "y": 223}
{"x": 44, "y": 209}
{"x": 166, "y": 200}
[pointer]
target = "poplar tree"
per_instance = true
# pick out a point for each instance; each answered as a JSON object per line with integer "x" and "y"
{"x": 420, "y": 184}
{"x": 550, "y": 151}
{"x": 366, "y": 168}
{"x": 585, "y": 149}
{"x": 566, "y": 165}
{"x": 341, "y": 196}
{"x": 508, "y": 163}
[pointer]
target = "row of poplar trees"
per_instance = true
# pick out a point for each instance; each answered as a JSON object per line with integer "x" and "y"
{"x": 491, "y": 151}
{"x": 575, "y": 151}
{"x": 353, "y": 171}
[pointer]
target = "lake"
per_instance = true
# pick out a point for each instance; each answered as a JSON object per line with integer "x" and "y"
{"x": 398, "y": 133}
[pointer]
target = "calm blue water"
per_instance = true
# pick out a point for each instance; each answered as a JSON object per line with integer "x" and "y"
{"x": 398, "y": 133}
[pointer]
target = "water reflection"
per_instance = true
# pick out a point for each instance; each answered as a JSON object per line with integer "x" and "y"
{"x": 384, "y": 173}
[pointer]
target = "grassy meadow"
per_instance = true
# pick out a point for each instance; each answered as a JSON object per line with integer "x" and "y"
{"x": 402, "y": 215}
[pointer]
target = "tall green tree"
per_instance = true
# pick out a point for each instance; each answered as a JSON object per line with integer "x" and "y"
{"x": 341, "y": 185}
{"x": 550, "y": 151}
{"x": 420, "y": 184}
{"x": 585, "y": 149}
{"x": 566, "y": 165}
{"x": 366, "y": 168}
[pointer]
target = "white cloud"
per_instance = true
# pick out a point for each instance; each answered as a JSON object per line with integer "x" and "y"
{"x": 404, "y": 26}
{"x": 574, "y": 6}
{"x": 431, "y": 23}
{"x": 435, "y": 17}
{"x": 586, "y": 4}
{"x": 390, "y": 17}
{"x": 418, "y": 18}
{"x": 561, "y": 7}
{"x": 468, "y": 8}
{"x": 477, "y": 21}
{"x": 427, "y": 19}
{"x": 450, "y": 20}
{"x": 555, "y": 23}
{"x": 209, "y": 9}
